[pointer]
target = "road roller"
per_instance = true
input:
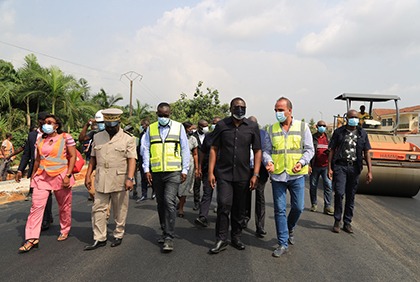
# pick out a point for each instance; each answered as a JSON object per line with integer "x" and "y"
{"x": 395, "y": 162}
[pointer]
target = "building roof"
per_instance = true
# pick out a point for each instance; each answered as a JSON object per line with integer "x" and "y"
{"x": 381, "y": 112}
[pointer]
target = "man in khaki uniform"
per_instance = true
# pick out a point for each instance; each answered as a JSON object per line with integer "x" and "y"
{"x": 114, "y": 158}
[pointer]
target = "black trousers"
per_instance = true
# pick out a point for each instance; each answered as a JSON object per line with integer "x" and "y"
{"x": 206, "y": 198}
{"x": 231, "y": 197}
{"x": 259, "y": 205}
{"x": 48, "y": 209}
{"x": 345, "y": 181}
{"x": 196, "y": 189}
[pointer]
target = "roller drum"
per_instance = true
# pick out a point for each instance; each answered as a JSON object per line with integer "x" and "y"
{"x": 391, "y": 181}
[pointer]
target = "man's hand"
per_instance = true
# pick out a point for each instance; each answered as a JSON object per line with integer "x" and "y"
{"x": 297, "y": 167}
{"x": 212, "y": 180}
{"x": 309, "y": 169}
{"x": 330, "y": 174}
{"x": 18, "y": 176}
{"x": 270, "y": 167}
{"x": 149, "y": 178}
{"x": 369, "y": 177}
{"x": 183, "y": 177}
{"x": 197, "y": 173}
{"x": 91, "y": 121}
{"x": 253, "y": 182}
{"x": 129, "y": 185}
{"x": 88, "y": 182}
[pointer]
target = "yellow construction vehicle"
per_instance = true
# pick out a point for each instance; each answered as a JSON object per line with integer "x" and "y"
{"x": 395, "y": 162}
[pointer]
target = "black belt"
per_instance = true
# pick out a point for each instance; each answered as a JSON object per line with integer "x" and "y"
{"x": 346, "y": 163}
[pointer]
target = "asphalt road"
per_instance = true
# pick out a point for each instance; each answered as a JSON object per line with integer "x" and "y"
{"x": 384, "y": 247}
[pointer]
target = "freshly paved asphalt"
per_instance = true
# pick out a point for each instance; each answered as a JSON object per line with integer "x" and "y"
{"x": 384, "y": 247}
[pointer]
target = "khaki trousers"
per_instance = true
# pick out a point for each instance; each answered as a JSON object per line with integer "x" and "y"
{"x": 92, "y": 193}
{"x": 119, "y": 203}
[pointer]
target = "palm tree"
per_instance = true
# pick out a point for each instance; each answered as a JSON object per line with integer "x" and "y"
{"x": 75, "y": 111}
{"x": 31, "y": 88}
{"x": 104, "y": 100}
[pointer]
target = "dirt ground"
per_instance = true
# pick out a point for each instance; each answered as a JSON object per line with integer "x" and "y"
{"x": 8, "y": 197}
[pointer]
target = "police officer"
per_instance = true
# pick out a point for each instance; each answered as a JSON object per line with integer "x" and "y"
{"x": 114, "y": 158}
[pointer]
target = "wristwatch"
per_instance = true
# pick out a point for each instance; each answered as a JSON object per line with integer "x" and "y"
{"x": 131, "y": 179}
{"x": 257, "y": 175}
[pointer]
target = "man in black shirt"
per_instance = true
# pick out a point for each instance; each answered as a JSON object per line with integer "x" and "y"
{"x": 203, "y": 156}
{"x": 230, "y": 154}
{"x": 349, "y": 145}
{"x": 202, "y": 130}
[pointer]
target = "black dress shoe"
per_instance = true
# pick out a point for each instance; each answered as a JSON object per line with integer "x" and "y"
{"x": 45, "y": 225}
{"x": 238, "y": 244}
{"x": 218, "y": 247}
{"x": 96, "y": 244}
{"x": 117, "y": 242}
{"x": 260, "y": 233}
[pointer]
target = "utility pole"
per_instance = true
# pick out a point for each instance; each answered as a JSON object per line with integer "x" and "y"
{"x": 131, "y": 76}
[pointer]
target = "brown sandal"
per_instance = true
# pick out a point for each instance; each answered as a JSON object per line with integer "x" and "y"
{"x": 29, "y": 245}
{"x": 62, "y": 237}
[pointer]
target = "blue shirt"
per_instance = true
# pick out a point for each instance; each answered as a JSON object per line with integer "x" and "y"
{"x": 308, "y": 153}
{"x": 163, "y": 131}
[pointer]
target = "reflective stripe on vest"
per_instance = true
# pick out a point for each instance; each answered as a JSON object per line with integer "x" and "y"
{"x": 287, "y": 149}
{"x": 165, "y": 155}
{"x": 55, "y": 162}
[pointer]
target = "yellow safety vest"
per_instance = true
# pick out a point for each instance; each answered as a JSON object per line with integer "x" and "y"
{"x": 287, "y": 150}
{"x": 165, "y": 155}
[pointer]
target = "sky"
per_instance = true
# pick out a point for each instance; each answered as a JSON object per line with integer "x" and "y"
{"x": 308, "y": 51}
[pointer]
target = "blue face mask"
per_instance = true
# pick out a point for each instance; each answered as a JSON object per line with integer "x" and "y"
{"x": 101, "y": 126}
{"x": 353, "y": 121}
{"x": 321, "y": 129}
{"x": 163, "y": 121}
{"x": 280, "y": 116}
{"x": 47, "y": 128}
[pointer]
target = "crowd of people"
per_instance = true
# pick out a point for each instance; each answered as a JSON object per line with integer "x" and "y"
{"x": 233, "y": 156}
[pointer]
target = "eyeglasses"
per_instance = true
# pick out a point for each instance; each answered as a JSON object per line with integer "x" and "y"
{"x": 321, "y": 125}
{"x": 49, "y": 122}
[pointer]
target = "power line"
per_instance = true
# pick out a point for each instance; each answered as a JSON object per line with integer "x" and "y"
{"x": 142, "y": 85}
{"x": 56, "y": 58}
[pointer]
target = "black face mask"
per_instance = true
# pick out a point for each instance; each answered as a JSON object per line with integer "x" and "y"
{"x": 190, "y": 133}
{"x": 239, "y": 112}
{"x": 112, "y": 130}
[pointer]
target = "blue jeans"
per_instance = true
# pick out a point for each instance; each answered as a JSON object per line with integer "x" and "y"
{"x": 285, "y": 224}
{"x": 313, "y": 180}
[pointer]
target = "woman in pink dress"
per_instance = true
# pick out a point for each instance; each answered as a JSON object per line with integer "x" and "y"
{"x": 55, "y": 159}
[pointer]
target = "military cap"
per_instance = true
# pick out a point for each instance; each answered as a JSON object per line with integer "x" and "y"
{"x": 112, "y": 114}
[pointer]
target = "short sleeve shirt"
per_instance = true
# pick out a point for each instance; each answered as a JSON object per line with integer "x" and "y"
{"x": 234, "y": 145}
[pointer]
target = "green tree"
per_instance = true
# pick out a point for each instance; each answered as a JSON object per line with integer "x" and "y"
{"x": 204, "y": 105}
{"x": 104, "y": 100}
{"x": 31, "y": 90}
{"x": 312, "y": 126}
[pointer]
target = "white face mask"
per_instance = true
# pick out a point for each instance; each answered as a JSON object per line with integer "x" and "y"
{"x": 205, "y": 129}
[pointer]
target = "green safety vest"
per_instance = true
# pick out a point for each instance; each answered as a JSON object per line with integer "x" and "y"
{"x": 165, "y": 155}
{"x": 287, "y": 150}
